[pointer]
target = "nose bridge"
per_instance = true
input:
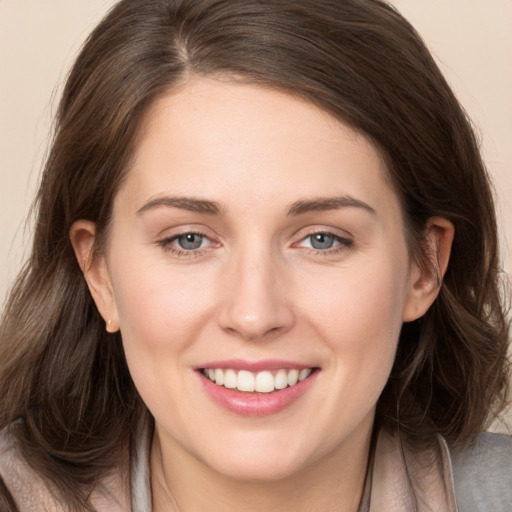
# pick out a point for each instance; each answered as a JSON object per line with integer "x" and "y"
{"x": 255, "y": 300}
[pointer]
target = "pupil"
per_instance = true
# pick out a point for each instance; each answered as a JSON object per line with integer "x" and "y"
{"x": 322, "y": 241}
{"x": 190, "y": 241}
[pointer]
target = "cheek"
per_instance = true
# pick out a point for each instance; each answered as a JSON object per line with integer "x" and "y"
{"x": 160, "y": 309}
{"x": 358, "y": 313}
{"x": 363, "y": 297}
{"x": 161, "y": 313}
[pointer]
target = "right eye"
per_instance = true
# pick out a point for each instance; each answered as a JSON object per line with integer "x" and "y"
{"x": 186, "y": 244}
{"x": 321, "y": 241}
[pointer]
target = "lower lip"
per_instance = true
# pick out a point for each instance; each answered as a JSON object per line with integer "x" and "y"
{"x": 256, "y": 404}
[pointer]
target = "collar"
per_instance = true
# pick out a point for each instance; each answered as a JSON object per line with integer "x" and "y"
{"x": 406, "y": 480}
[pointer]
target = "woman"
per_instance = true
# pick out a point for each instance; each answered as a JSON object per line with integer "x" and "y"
{"x": 264, "y": 274}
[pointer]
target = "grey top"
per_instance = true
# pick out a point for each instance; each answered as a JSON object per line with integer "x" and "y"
{"x": 482, "y": 474}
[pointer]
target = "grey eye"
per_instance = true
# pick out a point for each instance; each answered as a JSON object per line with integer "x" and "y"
{"x": 321, "y": 241}
{"x": 190, "y": 241}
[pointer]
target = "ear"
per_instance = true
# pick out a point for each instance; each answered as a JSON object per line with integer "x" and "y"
{"x": 94, "y": 268}
{"x": 425, "y": 280}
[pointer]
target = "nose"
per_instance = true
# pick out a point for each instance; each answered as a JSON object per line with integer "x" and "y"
{"x": 255, "y": 305}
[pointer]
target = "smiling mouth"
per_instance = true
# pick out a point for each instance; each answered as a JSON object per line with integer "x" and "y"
{"x": 266, "y": 381}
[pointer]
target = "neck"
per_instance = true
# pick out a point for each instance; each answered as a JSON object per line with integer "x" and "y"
{"x": 182, "y": 483}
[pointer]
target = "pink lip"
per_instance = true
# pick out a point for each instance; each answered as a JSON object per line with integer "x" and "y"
{"x": 255, "y": 366}
{"x": 255, "y": 404}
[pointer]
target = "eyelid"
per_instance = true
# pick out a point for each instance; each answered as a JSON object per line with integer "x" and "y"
{"x": 338, "y": 233}
{"x": 182, "y": 229}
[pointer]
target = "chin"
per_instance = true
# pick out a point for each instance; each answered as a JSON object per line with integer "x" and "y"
{"x": 259, "y": 458}
{"x": 256, "y": 469}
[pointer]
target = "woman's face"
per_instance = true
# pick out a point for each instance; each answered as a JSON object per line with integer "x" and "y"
{"x": 256, "y": 239}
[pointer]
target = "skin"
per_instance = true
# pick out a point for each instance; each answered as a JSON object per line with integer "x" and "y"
{"x": 257, "y": 289}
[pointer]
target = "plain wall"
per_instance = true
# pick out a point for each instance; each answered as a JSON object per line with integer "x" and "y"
{"x": 471, "y": 40}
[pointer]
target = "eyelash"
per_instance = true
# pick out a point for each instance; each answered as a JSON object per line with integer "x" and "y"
{"x": 166, "y": 244}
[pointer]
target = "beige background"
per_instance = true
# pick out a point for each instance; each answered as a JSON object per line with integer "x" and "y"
{"x": 471, "y": 40}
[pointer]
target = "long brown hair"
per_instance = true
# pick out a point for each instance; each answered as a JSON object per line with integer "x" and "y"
{"x": 360, "y": 61}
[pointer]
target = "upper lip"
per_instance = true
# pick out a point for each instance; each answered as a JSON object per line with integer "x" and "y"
{"x": 255, "y": 366}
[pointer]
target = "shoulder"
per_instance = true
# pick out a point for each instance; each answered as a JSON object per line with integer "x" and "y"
{"x": 7, "y": 502}
{"x": 20, "y": 484}
{"x": 482, "y": 474}
{"x": 25, "y": 490}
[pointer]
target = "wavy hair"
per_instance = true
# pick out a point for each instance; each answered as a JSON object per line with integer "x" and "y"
{"x": 358, "y": 60}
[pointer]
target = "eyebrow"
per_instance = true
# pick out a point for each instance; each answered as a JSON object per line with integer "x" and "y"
{"x": 299, "y": 207}
{"x": 327, "y": 203}
{"x": 191, "y": 204}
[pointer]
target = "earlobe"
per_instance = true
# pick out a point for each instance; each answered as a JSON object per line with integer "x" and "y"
{"x": 425, "y": 280}
{"x": 94, "y": 267}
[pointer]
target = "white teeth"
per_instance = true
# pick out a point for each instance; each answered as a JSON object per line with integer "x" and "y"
{"x": 262, "y": 382}
{"x": 293, "y": 377}
{"x": 219, "y": 377}
{"x": 281, "y": 379}
{"x": 230, "y": 380}
{"x": 304, "y": 374}
{"x": 245, "y": 381}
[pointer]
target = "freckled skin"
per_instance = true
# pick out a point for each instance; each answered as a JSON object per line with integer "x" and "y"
{"x": 256, "y": 287}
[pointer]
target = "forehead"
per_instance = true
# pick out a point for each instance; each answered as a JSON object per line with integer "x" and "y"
{"x": 212, "y": 138}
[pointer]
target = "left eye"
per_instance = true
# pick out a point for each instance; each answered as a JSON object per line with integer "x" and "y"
{"x": 321, "y": 241}
{"x": 190, "y": 241}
